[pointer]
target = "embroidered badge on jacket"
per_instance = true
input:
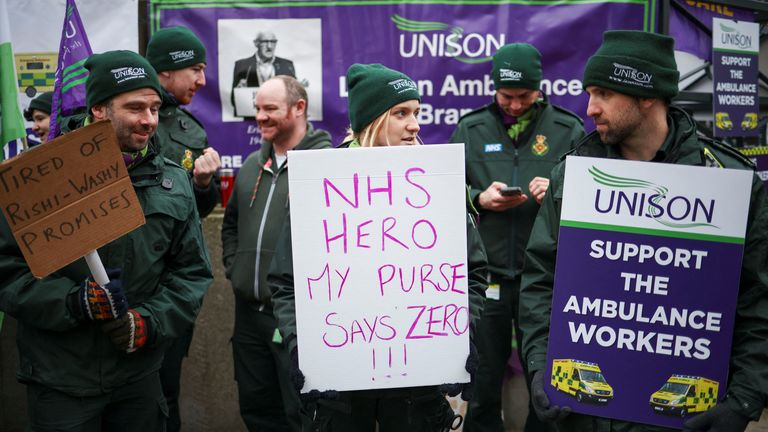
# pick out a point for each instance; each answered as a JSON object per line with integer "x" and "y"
{"x": 540, "y": 147}
{"x": 186, "y": 162}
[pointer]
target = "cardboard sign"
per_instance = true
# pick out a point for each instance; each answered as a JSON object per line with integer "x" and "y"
{"x": 68, "y": 197}
{"x": 380, "y": 266}
{"x": 648, "y": 265}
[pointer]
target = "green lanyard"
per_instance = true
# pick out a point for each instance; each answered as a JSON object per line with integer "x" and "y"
{"x": 518, "y": 128}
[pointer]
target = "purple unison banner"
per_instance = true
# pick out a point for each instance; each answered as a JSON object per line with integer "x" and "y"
{"x": 645, "y": 289}
{"x": 736, "y": 105}
{"x": 445, "y": 47}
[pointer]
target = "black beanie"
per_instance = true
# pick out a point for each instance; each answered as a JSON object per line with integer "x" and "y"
{"x": 42, "y": 102}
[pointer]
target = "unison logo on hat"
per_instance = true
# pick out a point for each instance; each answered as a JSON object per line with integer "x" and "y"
{"x": 510, "y": 75}
{"x": 180, "y": 56}
{"x": 623, "y": 73}
{"x": 402, "y": 85}
{"x": 128, "y": 73}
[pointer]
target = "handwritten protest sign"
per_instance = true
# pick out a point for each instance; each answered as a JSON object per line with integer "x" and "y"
{"x": 648, "y": 266}
{"x": 68, "y": 197}
{"x": 380, "y": 273}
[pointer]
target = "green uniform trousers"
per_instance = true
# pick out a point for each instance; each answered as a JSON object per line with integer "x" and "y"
{"x": 134, "y": 407}
{"x": 268, "y": 401}
{"x": 494, "y": 346}
{"x": 413, "y": 409}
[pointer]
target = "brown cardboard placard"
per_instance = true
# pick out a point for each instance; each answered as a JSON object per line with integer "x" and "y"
{"x": 67, "y": 197}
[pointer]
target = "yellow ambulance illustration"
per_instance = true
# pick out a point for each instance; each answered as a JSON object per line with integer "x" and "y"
{"x": 581, "y": 379}
{"x": 749, "y": 122}
{"x": 723, "y": 121}
{"x": 685, "y": 394}
{"x": 36, "y": 71}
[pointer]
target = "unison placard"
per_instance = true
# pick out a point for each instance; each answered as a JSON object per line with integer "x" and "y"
{"x": 648, "y": 265}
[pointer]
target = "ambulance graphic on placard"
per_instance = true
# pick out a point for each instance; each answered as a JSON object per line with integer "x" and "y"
{"x": 581, "y": 379}
{"x": 685, "y": 394}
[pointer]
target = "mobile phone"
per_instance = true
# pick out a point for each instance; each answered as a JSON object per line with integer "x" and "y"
{"x": 511, "y": 191}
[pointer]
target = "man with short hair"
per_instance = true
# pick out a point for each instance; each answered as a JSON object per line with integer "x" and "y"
{"x": 93, "y": 365}
{"x": 253, "y": 71}
{"x": 39, "y": 113}
{"x": 249, "y": 234}
{"x": 179, "y": 58}
{"x": 512, "y": 142}
{"x": 634, "y": 121}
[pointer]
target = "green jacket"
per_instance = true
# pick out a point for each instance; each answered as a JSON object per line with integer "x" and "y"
{"x": 748, "y": 383}
{"x": 280, "y": 278}
{"x": 182, "y": 138}
{"x": 253, "y": 218}
{"x": 165, "y": 273}
{"x": 490, "y": 155}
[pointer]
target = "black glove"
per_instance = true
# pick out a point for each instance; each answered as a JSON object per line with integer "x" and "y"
{"x": 129, "y": 332}
{"x": 719, "y": 418}
{"x": 295, "y": 374}
{"x": 544, "y": 411}
{"x": 99, "y": 303}
{"x": 466, "y": 389}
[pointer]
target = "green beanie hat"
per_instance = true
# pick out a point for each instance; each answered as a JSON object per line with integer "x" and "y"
{"x": 634, "y": 63}
{"x": 42, "y": 103}
{"x": 174, "y": 48}
{"x": 116, "y": 72}
{"x": 373, "y": 89}
{"x": 517, "y": 65}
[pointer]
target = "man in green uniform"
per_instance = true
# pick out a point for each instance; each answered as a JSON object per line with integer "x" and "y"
{"x": 93, "y": 365}
{"x": 178, "y": 56}
{"x": 249, "y": 234}
{"x": 512, "y": 142}
{"x": 635, "y": 122}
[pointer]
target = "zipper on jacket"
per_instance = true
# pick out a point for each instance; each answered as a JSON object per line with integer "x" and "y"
{"x": 261, "y": 230}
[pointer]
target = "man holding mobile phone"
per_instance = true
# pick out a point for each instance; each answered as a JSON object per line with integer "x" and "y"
{"x": 511, "y": 145}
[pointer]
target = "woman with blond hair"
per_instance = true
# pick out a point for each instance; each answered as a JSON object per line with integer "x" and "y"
{"x": 383, "y": 111}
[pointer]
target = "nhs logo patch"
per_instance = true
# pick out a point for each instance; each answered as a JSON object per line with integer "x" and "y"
{"x": 491, "y": 148}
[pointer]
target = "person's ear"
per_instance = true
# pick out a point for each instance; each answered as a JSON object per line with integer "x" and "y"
{"x": 301, "y": 107}
{"x": 99, "y": 112}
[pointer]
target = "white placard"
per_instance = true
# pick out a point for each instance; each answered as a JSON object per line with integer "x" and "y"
{"x": 403, "y": 210}
{"x": 245, "y": 97}
{"x": 657, "y": 197}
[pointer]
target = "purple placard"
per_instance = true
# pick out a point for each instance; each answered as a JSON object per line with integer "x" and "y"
{"x": 634, "y": 375}
{"x": 735, "y": 99}
{"x": 691, "y": 38}
{"x": 346, "y": 36}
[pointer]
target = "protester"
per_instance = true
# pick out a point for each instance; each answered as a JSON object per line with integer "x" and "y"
{"x": 39, "y": 113}
{"x": 515, "y": 141}
{"x": 635, "y": 122}
{"x": 91, "y": 364}
{"x": 179, "y": 59}
{"x": 178, "y": 56}
{"x": 380, "y": 115}
{"x": 249, "y": 233}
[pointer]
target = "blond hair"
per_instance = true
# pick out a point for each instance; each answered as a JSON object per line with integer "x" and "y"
{"x": 367, "y": 136}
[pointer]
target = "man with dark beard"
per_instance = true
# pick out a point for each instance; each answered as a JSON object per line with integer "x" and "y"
{"x": 634, "y": 121}
{"x": 90, "y": 354}
{"x": 249, "y": 233}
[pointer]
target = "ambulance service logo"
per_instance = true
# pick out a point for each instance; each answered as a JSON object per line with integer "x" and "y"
{"x": 187, "y": 162}
{"x": 540, "y": 147}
